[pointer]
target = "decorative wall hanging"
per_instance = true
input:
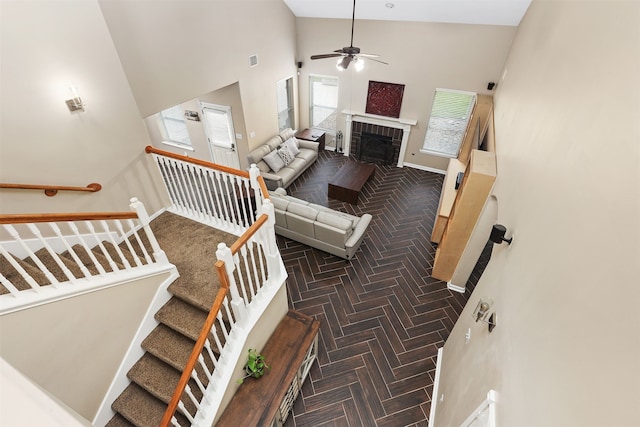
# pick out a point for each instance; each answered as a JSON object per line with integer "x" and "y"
{"x": 384, "y": 99}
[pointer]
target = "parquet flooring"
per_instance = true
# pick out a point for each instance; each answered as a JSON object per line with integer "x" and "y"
{"x": 382, "y": 315}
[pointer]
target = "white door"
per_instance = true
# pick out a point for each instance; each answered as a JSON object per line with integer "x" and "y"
{"x": 218, "y": 125}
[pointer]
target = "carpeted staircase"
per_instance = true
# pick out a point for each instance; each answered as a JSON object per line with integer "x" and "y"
{"x": 191, "y": 247}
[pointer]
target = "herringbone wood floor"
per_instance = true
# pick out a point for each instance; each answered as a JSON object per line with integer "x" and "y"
{"x": 382, "y": 316}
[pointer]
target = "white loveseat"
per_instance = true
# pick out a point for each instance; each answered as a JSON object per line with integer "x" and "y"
{"x": 320, "y": 227}
{"x": 283, "y": 158}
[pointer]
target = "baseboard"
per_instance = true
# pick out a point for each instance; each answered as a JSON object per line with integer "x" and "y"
{"x": 435, "y": 394}
{"x": 424, "y": 168}
{"x": 456, "y": 288}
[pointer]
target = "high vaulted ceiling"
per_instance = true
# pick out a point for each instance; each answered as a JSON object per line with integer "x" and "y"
{"x": 487, "y": 12}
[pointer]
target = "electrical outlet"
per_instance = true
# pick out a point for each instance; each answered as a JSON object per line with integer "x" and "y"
{"x": 467, "y": 336}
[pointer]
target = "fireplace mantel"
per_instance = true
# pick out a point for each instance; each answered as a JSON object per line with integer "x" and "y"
{"x": 392, "y": 122}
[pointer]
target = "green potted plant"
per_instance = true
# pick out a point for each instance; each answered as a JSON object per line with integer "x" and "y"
{"x": 256, "y": 365}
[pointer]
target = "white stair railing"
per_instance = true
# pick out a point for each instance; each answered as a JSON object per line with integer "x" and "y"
{"x": 52, "y": 256}
{"x": 224, "y": 198}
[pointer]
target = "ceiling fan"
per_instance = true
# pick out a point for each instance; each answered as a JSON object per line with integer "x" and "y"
{"x": 350, "y": 53}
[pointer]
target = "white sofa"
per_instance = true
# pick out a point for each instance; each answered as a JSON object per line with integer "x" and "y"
{"x": 320, "y": 227}
{"x": 274, "y": 168}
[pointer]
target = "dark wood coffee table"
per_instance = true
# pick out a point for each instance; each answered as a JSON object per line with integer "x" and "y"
{"x": 349, "y": 180}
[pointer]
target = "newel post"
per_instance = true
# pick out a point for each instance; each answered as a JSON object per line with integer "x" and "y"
{"x": 269, "y": 237}
{"x": 137, "y": 207}
{"x": 254, "y": 173}
{"x": 237, "y": 303}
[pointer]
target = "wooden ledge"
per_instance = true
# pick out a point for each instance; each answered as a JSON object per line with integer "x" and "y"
{"x": 257, "y": 401}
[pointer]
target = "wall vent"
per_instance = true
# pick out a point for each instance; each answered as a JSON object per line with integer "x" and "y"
{"x": 253, "y": 60}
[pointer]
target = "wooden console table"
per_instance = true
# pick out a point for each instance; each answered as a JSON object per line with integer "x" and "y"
{"x": 349, "y": 180}
{"x": 267, "y": 401}
{"x": 315, "y": 135}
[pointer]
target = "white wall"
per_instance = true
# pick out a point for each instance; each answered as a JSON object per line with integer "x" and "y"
{"x": 566, "y": 347}
{"x": 47, "y": 45}
{"x": 72, "y": 348}
{"x": 422, "y": 56}
{"x": 174, "y": 51}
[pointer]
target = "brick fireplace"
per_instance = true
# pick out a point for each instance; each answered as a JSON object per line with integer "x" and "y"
{"x": 375, "y": 144}
{"x": 390, "y": 137}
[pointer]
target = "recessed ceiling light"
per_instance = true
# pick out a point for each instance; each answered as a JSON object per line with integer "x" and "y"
{"x": 390, "y": 5}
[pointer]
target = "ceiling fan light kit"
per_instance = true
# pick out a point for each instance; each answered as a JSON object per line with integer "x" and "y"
{"x": 349, "y": 54}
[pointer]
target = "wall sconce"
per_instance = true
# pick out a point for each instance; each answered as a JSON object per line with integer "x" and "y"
{"x": 497, "y": 234}
{"x": 75, "y": 103}
{"x": 480, "y": 314}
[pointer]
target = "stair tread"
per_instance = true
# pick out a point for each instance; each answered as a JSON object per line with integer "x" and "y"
{"x": 13, "y": 276}
{"x": 139, "y": 407}
{"x": 54, "y": 268}
{"x": 197, "y": 286}
{"x": 169, "y": 346}
{"x": 119, "y": 421}
{"x": 182, "y": 317}
{"x": 155, "y": 376}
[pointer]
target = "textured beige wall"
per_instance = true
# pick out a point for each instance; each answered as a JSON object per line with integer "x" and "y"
{"x": 73, "y": 348}
{"x": 565, "y": 350}
{"x": 47, "y": 45}
{"x": 174, "y": 51}
{"x": 422, "y": 56}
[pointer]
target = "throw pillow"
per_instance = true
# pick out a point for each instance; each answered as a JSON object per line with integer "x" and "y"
{"x": 286, "y": 155}
{"x": 292, "y": 145}
{"x": 274, "y": 161}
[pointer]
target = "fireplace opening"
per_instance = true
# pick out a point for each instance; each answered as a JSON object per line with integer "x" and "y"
{"x": 375, "y": 149}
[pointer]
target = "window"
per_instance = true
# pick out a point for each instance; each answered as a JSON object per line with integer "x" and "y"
{"x": 450, "y": 115}
{"x": 173, "y": 127}
{"x": 284, "y": 95}
{"x": 323, "y": 102}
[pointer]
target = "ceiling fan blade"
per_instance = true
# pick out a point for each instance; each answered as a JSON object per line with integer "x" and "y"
{"x": 377, "y": 60}
{"x": 326, "y": 55}
{"x": 369, "y": 55}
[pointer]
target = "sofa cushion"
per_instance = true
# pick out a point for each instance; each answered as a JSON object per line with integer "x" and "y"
{"x": 279, "y": 203}
{"x": 274, "y": 161}
{"x": 308, "y": 155}
{"x": 287, "y": 174}
{"x": 256, "y": 155}
{"x": 285, "y": 154}
{"x": 292, "y": 145}
{"x": 335, "y": 221}
{"x": 302, "y": 210}
{"x": 263, "y": 166}
{"x": 273, "y": 142}
{"x": 292, "y": 199}
{"x": 300, "y": 219}
{"x": 286, "y": 134}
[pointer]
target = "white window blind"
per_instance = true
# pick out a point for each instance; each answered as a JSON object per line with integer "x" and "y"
{"x": 450, "y": 116}
{"x": 218, "y": 126}
{"x": 172, "y": 125}
{"x": 323, "y": 102}
{"x": 284, "y": 94}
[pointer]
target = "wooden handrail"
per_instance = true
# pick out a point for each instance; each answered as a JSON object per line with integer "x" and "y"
{"x": 61, "y": 217}
{"x": 242, "y": 240}
{"x": 52, "y": 190}
{"x": 204, "y": 332}
{"x": 150, "y": 149}
{"x": 197, "y": 348}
